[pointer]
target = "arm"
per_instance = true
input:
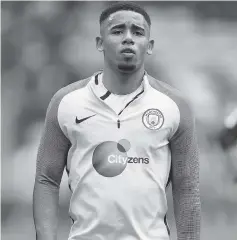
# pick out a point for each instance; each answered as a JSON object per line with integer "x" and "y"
{"x": 185, "y": 177}
{"x": 51, "y": 161}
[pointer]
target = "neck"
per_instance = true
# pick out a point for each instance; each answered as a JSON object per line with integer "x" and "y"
{"x": 122, "y": 83}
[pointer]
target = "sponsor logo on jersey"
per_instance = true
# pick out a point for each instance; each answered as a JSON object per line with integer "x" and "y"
{"x": 153, "y": 119}
{"x": 113, "y": 158}
{"x": 110, "y": 158}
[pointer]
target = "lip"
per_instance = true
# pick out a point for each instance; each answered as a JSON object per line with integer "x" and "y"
{"x": 128, "y": 51}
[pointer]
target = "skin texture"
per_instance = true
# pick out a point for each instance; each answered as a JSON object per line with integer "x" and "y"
{"x": 124, "y": 29}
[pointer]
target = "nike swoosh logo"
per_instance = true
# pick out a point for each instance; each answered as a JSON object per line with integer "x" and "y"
{"x": 83, "y": 119}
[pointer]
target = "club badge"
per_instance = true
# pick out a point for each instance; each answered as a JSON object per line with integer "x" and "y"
{"x": 153, "y": 119}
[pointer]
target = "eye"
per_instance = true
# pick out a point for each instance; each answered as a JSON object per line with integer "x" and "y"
{"x": 117, "y": 32}
{"x": 138, "y": 33}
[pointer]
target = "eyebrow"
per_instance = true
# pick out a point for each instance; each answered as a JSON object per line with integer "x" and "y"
{"x": 122, "y": 25}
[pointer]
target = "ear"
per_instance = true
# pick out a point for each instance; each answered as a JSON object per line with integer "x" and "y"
{"x": 99, "y": 44}
{"x": 150, "y": 47}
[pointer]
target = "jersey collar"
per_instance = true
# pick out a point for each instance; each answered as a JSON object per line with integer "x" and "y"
{"x": 100, "y": 90}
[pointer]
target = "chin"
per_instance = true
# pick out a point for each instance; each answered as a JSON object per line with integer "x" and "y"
{"x": 128, "y": 68}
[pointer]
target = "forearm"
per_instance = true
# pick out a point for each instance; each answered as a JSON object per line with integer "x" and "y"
{"x": 45, "y": 210}
{"x": 187, "y": 209}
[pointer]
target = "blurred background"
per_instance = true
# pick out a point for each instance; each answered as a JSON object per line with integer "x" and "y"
{"x": 47, "y": 45}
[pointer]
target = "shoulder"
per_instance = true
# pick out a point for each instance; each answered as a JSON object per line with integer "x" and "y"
{"x": 61, "y": 93}
{"x": 186, "y": 114}
{"x": 70, "y": 88}
{"x": 176, "y": 95}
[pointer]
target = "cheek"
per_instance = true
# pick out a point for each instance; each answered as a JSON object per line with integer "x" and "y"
{"x": 110, "y": 46}
{"x": 143, "y": 49}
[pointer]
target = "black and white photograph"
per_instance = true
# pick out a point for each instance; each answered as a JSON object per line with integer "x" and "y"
{"x": 118, "y": 120}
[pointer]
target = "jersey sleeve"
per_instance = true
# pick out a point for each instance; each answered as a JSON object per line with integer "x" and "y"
{"x": 51, "y": 161}
{"x": 185, "y": 176}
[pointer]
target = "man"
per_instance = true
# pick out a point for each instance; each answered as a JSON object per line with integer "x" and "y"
{"x": 122, "y": 136}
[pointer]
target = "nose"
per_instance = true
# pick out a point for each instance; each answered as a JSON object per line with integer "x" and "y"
{"x": 128, "y": 38}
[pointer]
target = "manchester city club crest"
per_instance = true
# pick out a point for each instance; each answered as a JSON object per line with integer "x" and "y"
{"x": 153, "y": 119}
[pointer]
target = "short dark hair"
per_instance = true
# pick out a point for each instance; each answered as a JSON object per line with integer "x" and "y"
{"x": 128, "y": 6}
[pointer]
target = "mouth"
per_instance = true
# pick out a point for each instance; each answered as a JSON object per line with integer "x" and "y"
{"x": 128, "y": 51}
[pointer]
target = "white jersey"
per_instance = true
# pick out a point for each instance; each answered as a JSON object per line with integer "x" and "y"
{"x": 118, "y": 157}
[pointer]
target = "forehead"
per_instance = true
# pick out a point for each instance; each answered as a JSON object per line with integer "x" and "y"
{"x": 126, "y": 17}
